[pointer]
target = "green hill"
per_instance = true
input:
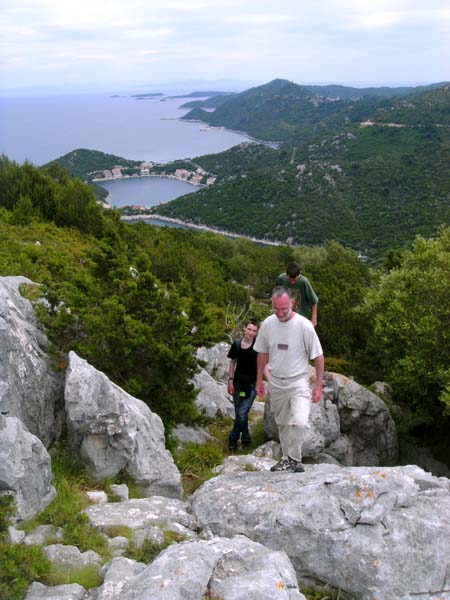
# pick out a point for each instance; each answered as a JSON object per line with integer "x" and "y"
{"x": 82, "y": 162}
{"x": 271, "y": 112}
{"x": 367, "y": 187}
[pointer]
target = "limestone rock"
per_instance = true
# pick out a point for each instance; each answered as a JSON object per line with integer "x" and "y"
{"x": 115, "y": 575}
{"x": 97, "y": 496}
{"x": 213, "y": 399}
{"x": 351, "y": 424}
{"x": 38, "y": 591}
{"x": 216, "y": 361}
{"x": 70, "y": 558}
{"x": 143, "y": 514}
{"x": 113, "y": 431}
{"x": 15, "y": 536}
{"x": 43, "y": 534}
{"x": 120, "y": 490}
{"x": 30, "y": 389}
{"x": 184, "y": 434}
{"x": 230, "y": 569}
{"x": 244, "y": 462}
{"x": 372, "y": 532}
{"x": 25, "y": 469}
{"x": 367, "y": 422}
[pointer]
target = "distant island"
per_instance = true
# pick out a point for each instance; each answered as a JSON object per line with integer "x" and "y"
{"x": 146, "y": 96}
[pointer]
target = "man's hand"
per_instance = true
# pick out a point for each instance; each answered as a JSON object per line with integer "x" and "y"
{"x": 317, "y": 394}
{"x": 230, "y": 387}
{"x": 260, "y": 388}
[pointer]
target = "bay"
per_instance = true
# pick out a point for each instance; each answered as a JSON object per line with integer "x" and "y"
{"x": 41, "y": 129}
{"x": 145, "y": 191}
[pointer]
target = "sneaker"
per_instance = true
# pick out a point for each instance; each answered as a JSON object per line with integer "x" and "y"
{"x": 295, "y": 466}
{"x": 232, "y": 447}
{"x": 283, "y": 465}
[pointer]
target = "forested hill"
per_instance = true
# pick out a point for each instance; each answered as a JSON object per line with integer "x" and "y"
{"x": 371, "y": 173}
{"x": 282, "y": 110}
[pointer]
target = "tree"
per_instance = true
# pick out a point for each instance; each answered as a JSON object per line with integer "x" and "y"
{"x": 411, "y": 332}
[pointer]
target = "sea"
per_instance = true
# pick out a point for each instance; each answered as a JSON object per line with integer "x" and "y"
{"x": 42, "y": 128}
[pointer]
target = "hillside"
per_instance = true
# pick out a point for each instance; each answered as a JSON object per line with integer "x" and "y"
{"x": 271, "y": 112}
{"x": 368, "y": 187}
{"x": 82, "y": 162}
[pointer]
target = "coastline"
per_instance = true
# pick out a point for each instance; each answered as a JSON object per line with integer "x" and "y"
{"x": 231, "y": 234}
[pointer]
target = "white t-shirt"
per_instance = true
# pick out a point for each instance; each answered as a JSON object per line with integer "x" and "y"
{"x": 290, "y": 345}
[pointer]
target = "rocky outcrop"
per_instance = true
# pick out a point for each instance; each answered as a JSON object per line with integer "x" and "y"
{"x": 351, "y": 424}
{"x": 39, "y": 591}
{"x": 215, "y": 360}
{"x": 25, "y": 470}
{"x": 184, "y": 434}
{"x": 147, "y": 518}
{"x": 69, "y": 558}
{"x": 213, "y": 399}
{"x": 30, "y": 389}
{"x": 374, "y": 533}
{"x": 112, "y": 432}
{"x": 229, "y": 569}
{"x": 366, "y": 422}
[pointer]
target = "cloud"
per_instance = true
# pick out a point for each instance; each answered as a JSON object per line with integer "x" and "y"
{"x": 171, "y": 39}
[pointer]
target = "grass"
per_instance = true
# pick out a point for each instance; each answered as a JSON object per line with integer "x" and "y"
{"x": 150, "y": 550}
{"x": 87, "y": 576}
{"x": 71, "y": 483}
{"x": 322, "y": 593}
{"x": 20, "y": 565}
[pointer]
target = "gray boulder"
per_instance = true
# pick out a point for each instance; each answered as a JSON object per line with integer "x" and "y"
{"x": 366, "y": 421}
{"x": 43, "y": 534}
{"x": 112, "y": 431}
{"x": 69, "y": 558}
{"x": 143, "y": 516}
{"x": 215, "y": 360}
{"x": 30, "y": 389}
{"x": 25, "y": 469}
{"x": 213, "y": 399}
{"x": 373, "y": 533}
{"x": 115, "y": 576}
{"x": 39, "y": 591}
{"x": 351, "y": 424}
{"x": 185, "y": 434}
{"x": 229, "y": 569}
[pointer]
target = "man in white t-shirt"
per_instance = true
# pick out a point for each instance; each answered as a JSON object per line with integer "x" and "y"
{"x": 287, "y": 342}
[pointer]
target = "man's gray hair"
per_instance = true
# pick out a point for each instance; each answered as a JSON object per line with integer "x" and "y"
{"x": 279, "y": 290}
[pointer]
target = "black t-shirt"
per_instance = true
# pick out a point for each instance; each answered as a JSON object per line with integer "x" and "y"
{"x": 246, "y": 368}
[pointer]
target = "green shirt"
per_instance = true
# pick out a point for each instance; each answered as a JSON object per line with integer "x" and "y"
{"x": 302, "y": 292}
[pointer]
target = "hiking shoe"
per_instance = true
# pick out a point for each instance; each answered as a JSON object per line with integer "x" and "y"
{"x": 295, "y": 466}
{"x": 283, "y": 465}
{"x": 232, "y": 447}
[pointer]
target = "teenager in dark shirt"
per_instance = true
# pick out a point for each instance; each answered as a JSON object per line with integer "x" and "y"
{"x": 241, "y": 383}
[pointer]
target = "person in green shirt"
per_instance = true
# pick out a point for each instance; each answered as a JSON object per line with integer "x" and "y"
{"x": 305, "y": 299}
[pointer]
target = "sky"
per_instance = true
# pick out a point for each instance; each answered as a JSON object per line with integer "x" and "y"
{"x": 115, "y": 45}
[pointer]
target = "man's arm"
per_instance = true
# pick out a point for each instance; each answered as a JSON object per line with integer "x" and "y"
{"x": 314, "y": 314}
{"x": 262, "y": 361}
{"x": 319, "y": 363}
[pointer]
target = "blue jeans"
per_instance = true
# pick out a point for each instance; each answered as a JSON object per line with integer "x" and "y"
{"x": 242, "y": 407}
